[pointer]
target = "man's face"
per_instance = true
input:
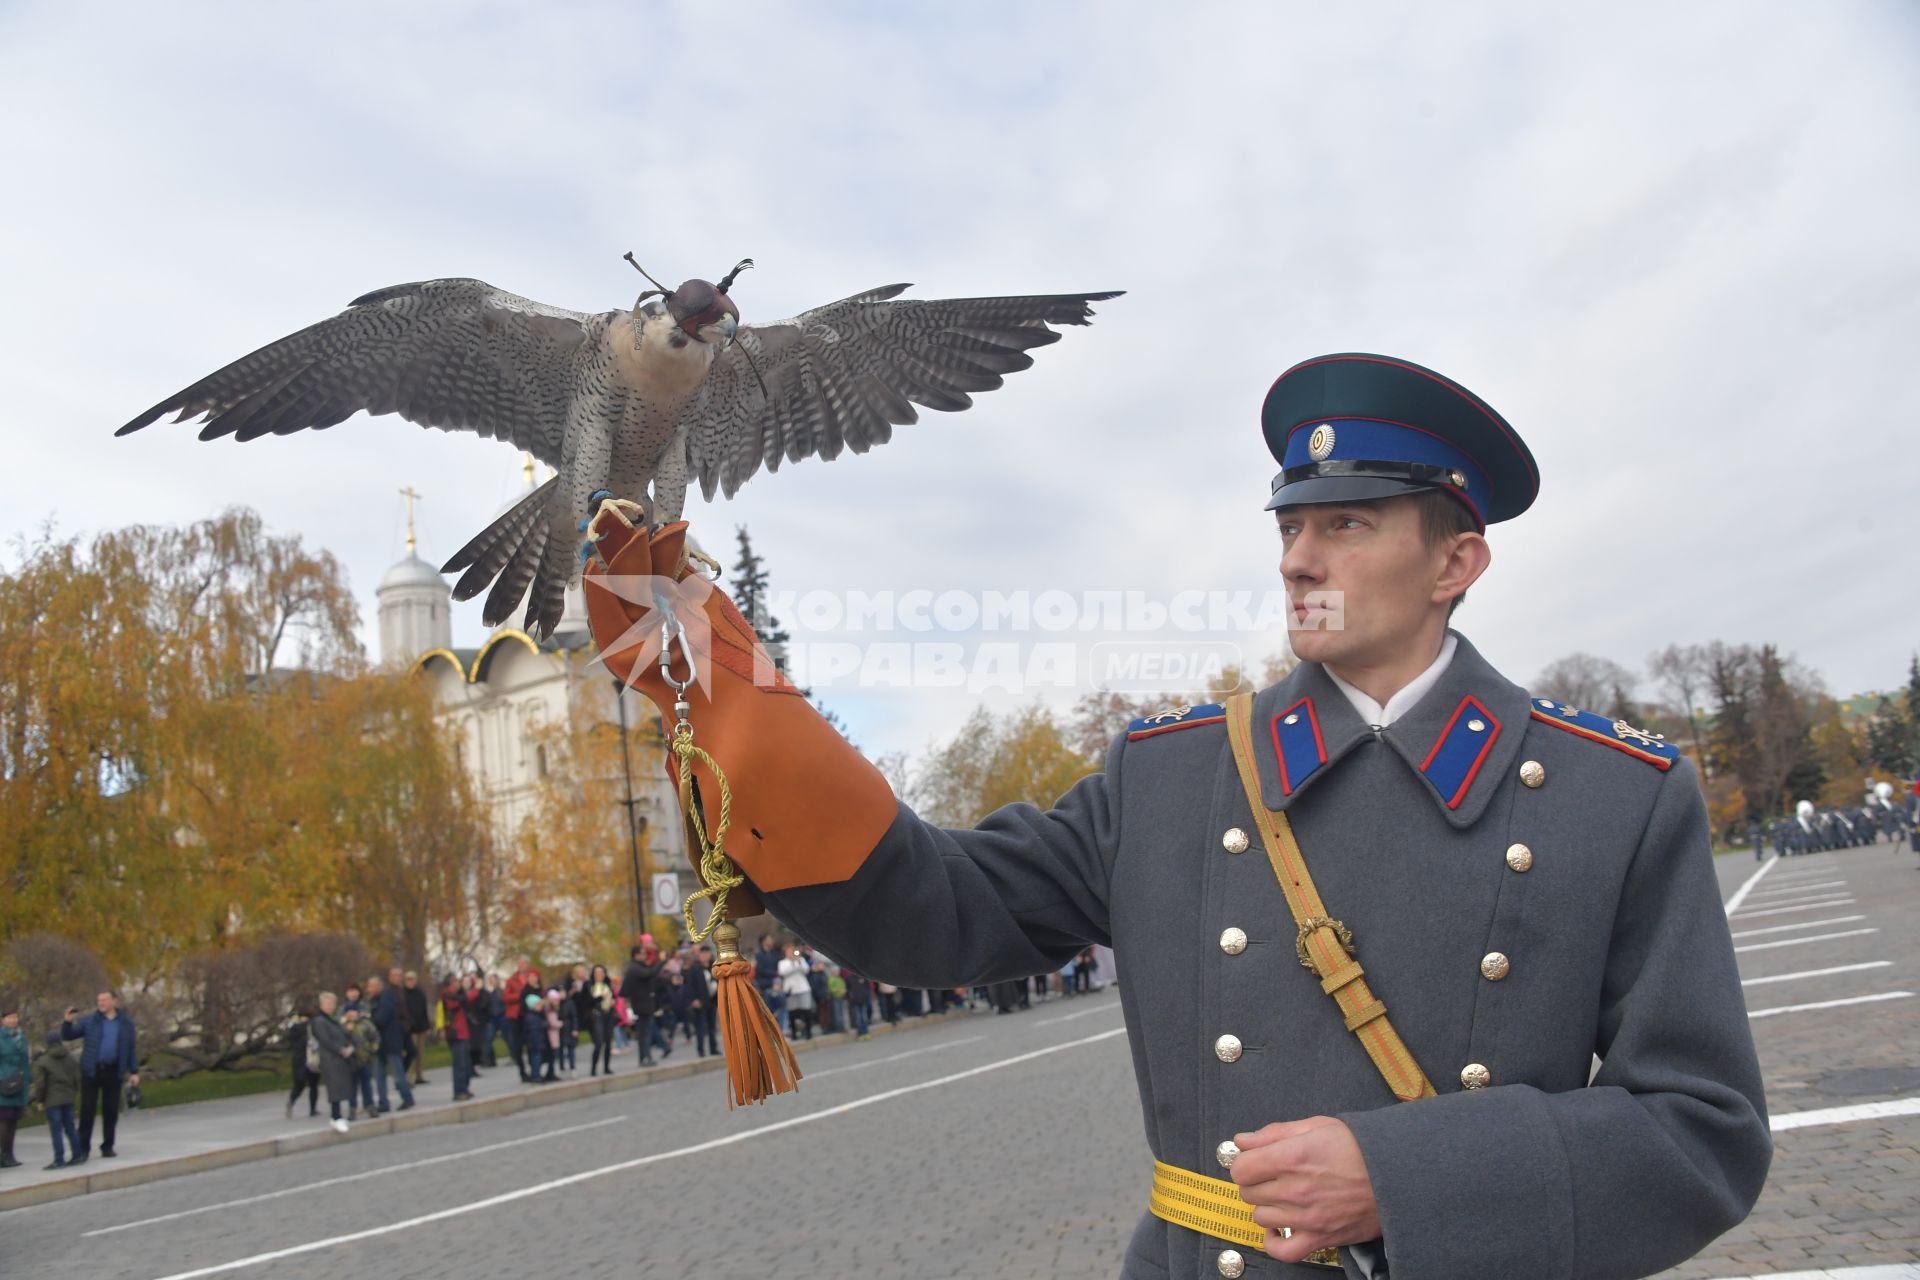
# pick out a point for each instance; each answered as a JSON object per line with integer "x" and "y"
{"x": 393, "y": 977}
{"x": 105, "y": 1002}
{"x": 413, "y": 980}
{"x": 1360, "y": 578}
{"x": 375, "y": 986}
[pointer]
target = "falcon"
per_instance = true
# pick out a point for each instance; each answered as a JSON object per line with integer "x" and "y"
{"x": 637, "y": 402}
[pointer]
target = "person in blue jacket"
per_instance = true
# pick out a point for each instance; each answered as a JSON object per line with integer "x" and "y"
{"x": 109, "y": 1061}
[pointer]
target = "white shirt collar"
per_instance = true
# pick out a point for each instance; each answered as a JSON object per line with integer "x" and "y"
{"x": 1406, "y": 699}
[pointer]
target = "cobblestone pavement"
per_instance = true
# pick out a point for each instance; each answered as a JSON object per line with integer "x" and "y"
{"x": 1846, "y": 1194}
{"x": 989, "y": 1147}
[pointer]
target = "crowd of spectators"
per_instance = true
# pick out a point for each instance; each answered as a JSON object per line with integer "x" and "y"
{"x": 535, "y": 1022}
{"x": 350, "y": 1044}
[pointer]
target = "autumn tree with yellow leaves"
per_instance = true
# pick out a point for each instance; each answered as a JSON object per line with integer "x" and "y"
{"x": 574, "y": 892}
{"x": 193, "y": 755}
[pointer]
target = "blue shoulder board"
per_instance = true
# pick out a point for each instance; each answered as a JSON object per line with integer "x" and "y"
{"x": 1176, "y": 717}
{"x": 1618, "y": 734}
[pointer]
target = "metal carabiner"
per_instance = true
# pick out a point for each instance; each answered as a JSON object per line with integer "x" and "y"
{"x": 671, "y": 629}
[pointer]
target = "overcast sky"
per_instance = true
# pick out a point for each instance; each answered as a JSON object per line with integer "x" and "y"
{"x": 1673, "y": 244}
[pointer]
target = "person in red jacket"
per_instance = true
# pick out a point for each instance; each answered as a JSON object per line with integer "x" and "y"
{"x": 517, "y": 986}
{"x": 460, "y": 1000}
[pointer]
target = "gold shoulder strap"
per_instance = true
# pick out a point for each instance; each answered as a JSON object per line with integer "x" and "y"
{"x": 1324, "y": 945}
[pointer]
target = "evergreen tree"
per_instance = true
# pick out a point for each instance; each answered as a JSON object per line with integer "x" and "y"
{"x": 750, "y": 592}
{"x": 1893, "y": 735}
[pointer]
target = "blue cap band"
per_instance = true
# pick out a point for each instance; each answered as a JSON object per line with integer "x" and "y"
{"x": 1371, "y": 440}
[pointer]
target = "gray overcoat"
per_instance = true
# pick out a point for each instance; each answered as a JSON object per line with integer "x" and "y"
{"x": 336, "y": 1068}
{"x": 1431, "y": 841}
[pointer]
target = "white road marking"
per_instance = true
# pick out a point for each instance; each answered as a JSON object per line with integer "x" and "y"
{"x": 1818, "y": 973}
{"x": 305, "y": 1187}
{"x": 1817, "y": 895}
{"x": 1794, "y": 942}
{"x": 1804, "y": 906}
{"x": 1847, "y": 1115}
{"x": 573, "y": 1179}
{"x": 1804, "y": 924}
{"x": 1805, "y": 873}
{"x": 1740, "y": 894}
{"x": 1780, "y": 888}
{"x": 874, "y": 1062}
{"x": 1828, "y": 1004}
{"x": 1069, "y": 1017}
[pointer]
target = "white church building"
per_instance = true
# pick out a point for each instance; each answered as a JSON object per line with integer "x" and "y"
{"x": 498, "y": 698}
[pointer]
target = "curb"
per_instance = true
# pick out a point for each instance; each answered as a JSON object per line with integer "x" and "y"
{"x": 459, "y": 1113}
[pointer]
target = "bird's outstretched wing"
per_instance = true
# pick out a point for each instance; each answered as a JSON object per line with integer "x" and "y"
{"x": 460, "y": 355}
{"x": 844, "y": 375}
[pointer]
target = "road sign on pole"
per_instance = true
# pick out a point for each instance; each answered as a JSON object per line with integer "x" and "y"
{"x": 666, "y": 893}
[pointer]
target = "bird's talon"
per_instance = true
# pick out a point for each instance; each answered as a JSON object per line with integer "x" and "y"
{"x": 620, "y": 509}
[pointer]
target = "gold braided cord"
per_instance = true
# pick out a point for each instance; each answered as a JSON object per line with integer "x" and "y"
{"x": 718, "y": 875}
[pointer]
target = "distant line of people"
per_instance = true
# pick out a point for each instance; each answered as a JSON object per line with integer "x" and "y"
{"x": 1816, "y": 829}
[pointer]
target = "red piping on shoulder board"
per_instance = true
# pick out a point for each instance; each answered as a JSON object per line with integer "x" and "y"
{"x": 1661, "y": 763}
{"x": 1138, "y": 734}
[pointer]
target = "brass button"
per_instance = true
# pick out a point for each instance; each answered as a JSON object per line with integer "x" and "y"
{"x": 1519, "y": 857}
{"x": 1226, "y": 1152}
{"x": 1232, "y": 1264}
{"x": 1227, "y": 1048}
{"x": 1478, "y": 726}
{"x": 1291, "y": 720}
{"x": 1494, "y": 966}
{"x": 1235, "y": 841}
{"x": 1533, "y": 773}
{"x": 1233, "y": 941}
{"x": 1475, "y": 1076}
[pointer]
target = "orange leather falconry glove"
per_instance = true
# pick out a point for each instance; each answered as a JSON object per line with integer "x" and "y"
{"x": 806, "y": 808}
{"x": 767, "y": 787}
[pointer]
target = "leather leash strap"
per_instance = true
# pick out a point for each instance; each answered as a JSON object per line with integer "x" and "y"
{"x": 1323, "y": 944}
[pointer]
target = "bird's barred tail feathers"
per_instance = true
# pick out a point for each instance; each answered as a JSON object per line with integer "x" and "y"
{"x": 507, "y": 554}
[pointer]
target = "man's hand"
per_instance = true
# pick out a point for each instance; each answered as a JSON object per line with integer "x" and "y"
{"x": 1310, "y": 1176}
{"x": 134, "y": 1078}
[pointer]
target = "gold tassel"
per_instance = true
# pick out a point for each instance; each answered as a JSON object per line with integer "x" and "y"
{"x": 759, "y": 1060}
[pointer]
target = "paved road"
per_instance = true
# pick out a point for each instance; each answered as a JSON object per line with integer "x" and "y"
{"x": 1843, "y": 1194}
{"x": 990, "y": 1147}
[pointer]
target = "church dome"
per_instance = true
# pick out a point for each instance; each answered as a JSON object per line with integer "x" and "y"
{"x": 412, "y": 572}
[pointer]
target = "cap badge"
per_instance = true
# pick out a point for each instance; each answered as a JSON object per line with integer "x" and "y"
{"x": 1458, "y": 477}
{"x": 1320, "y": 443}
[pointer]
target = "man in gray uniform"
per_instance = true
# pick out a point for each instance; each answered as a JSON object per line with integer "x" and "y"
{"x": 1525, "y": 886}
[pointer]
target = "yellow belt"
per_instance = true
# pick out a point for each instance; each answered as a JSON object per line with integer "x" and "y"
{"x": 1213, "y": 1207}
